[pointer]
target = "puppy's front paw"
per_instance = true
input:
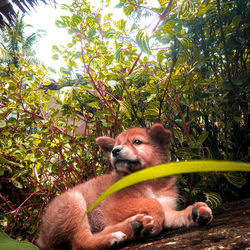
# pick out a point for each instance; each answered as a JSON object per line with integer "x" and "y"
{"x": 118, "y": 237}
{"x": 202, "y": 213}
{"x": 145, "y": 225}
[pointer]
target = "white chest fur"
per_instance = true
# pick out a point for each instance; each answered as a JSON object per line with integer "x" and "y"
{"x": 167, "y": 202}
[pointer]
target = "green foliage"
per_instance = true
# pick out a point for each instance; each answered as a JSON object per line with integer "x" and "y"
{"x": 142, "y": 41}
{"x": 7, "y": 243}
{"x": 40, "y": 153}
{"x": 185, "y": 65}
{"x": 213, "y": 200}
{"x": 14, "y": 43}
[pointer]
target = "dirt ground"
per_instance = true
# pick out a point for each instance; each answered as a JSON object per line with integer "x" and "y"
{"x": 230, "y": 229}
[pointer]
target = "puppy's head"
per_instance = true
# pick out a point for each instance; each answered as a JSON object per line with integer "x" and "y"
{"x": 137, "y": 148}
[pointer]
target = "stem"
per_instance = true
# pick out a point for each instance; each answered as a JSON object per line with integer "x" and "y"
{"x": 165, "y": 118}
{"x": 19, "y": 207}
{"x": 164, "y": 13}
{"x": 185, "y": 128}
{"x": 137, "y": 59}
{"x": 144, "y": 7}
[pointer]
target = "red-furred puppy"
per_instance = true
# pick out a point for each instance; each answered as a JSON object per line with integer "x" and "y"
{"x": 143, "y": 209}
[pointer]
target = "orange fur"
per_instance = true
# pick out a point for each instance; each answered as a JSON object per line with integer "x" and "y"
{"x": 143, "y": 209}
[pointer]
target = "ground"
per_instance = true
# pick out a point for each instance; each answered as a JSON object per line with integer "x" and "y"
{"x": 230, "y": 229}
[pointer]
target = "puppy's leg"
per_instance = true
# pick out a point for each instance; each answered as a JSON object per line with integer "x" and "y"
{"x": 146, "y": 216}
{"x": 197, "y": 214}
{"x": 63, "y": 225}
{"x": 127, "y": 218}
{"x": 113, "y": 234}
{"x": 84, "y": 239}
{"x": 133, "y": 226}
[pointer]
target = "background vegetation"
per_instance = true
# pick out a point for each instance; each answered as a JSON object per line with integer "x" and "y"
{"x": 185, "y": 64}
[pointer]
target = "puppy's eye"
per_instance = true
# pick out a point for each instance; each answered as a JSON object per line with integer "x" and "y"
{"x": 137, "y": 142}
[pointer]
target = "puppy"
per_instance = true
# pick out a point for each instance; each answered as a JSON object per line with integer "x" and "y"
{"x": 142, "y": 209}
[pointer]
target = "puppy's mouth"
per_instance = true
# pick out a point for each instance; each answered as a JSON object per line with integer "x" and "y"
{"x": 124, "y": 167}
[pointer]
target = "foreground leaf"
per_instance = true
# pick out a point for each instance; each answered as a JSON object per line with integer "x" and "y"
{"x": 172, "y": 168}
{"x": 7, "y": 243}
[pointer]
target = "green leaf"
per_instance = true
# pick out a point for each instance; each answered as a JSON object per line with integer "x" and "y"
{"x": 238, "y": 83}
{"x": 195, "y": 114}
{"x": 168, "y": 28}
{"x": 189, "y": 9}
{"x": 227, "y": 85}
{"x": 118, "y": 55}
{"x": 161, "y": 55}
{"x": 133, "y": 27}
{"x": 237, "y": 118}
{"x": 203, "y": 136}
{"x": 121, "y": 24}
{"x": 66, "y": 21}
{"x": 119, "y": 5}
{"x": 172, "y": 168}
{"x": 75, "y": 20}
{"x": 236, "y": 20}
{"x": 55, "y": 57}
{"x": 142, "y": 41}
{"x": 17, "y": 184}
{"x": 60, "y": 24}
{"x": 152, "y": 111}
{"x": 7, "y": 243}
{"x": 2, "y": 124}
{"x": 213, "y": 200}
{"x": 91, "y": 21}
{"x": 236, "y": 179}
{"x": 5, "y": 161}
{"x": 125, "y": 109}
{"x": 163, "y": 3}
{"x": 128, "y": 9}
{"x": 109, "y": 34}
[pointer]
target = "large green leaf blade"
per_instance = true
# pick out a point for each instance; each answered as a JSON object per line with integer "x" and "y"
{"x": 7, "y": 243}
{"x": 168, "y": 169}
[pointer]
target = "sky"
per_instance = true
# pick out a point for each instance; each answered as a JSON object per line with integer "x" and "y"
{"x": 44, "y": 17}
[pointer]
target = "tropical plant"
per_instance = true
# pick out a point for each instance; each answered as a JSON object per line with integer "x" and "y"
{"x": 187, "y": 67}
{"x": 15, "y": 44}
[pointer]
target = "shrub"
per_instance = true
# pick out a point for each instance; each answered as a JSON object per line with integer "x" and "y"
{"x": 191, "y": 74}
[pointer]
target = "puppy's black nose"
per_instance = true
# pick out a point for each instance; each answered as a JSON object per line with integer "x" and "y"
{"x": 116, "y": 151}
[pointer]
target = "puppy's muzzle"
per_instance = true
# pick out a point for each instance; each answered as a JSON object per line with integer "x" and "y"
{"x": 116, "y": 151}
{"x": 123, "y": 164}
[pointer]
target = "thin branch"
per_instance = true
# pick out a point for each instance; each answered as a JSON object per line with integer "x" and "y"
{"x": 144, "y": 7}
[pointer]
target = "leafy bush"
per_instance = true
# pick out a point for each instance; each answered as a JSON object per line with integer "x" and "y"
{"x": 188, "y": 70}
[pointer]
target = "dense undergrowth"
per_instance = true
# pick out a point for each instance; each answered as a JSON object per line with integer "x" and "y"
{"x": 189, "y": 69}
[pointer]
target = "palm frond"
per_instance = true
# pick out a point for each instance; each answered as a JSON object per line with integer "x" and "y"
{"x": 8, "y": 14}
{"x": 16, "y": 44}
{"x": 29, "y": 41}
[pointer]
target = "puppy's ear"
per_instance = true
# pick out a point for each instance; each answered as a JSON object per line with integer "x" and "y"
{"x": 160, "y": 135}
{"x": 106, "y": 144}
